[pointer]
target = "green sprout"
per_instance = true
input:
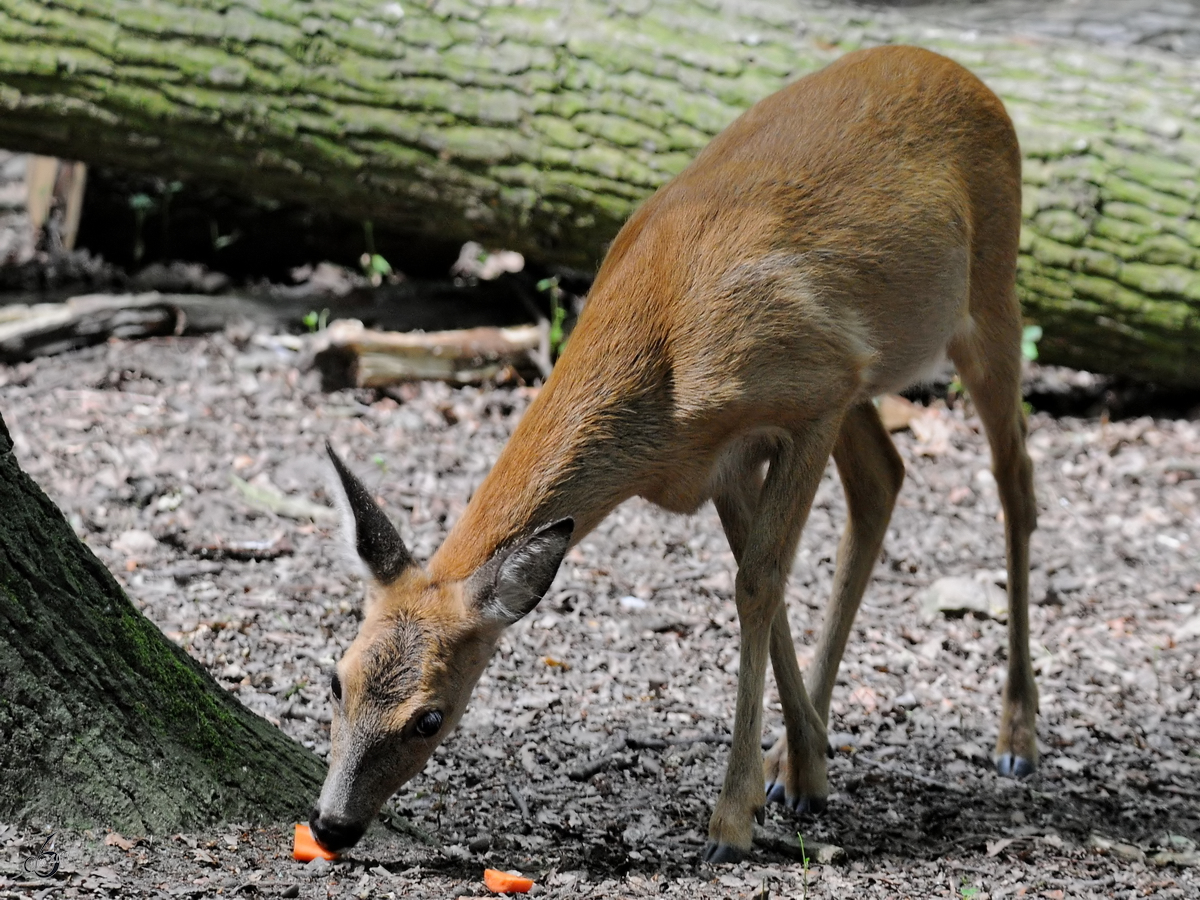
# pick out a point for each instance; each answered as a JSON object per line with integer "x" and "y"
{"x": 804, "y": 857}
{"x": 142, "y": 205}
{"x": 295, "y": 689}
{"x": 221, "y": 241}
{"x": 1030, "y": 336}
{"x": 316, "y": 321}
{"x": 166, "y": 191}
{"x": 374, "y": 266}
{"x": 377, "y": 265}
{"x": 558, "y": 313}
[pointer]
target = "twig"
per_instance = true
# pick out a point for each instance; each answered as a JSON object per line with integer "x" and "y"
{"x": 522, "y": 806}
{"x": 598, "y": 765}
{"x": 635, "y": 743}
{"x": 31, "y": 885}
{"x": 276, "y": 502}
{"x": 913, "y": 776}
{"x": 1182, "y": 792}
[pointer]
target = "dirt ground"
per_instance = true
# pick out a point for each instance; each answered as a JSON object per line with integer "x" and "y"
{"x": 554, "y": 771}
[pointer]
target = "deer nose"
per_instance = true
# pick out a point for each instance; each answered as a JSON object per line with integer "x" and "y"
{"x": 333, "y": 833}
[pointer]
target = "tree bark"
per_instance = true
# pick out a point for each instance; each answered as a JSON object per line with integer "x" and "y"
{"x": 540, "y": 126}
{"x": 103, "y": 721}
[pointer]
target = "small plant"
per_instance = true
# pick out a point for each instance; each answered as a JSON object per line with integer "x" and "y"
{"x": 380, "y": 462}
{"x": 316, "y": 321}
{"x": 558, "y": 313}
{"x": 1030, "y": 336}
{"x": 295, "y": 689}
{"x": 142, "y": 205}
{"x": 967, "y": 891}
{"x": 955, "y": 389}
{"x": 375, "y": 267}
{"x": 221, "y": 241}
{"x": 804, "y": 860}
{"x": 166, "y": 191}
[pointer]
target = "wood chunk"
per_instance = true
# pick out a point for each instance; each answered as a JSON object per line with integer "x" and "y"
{"x": 351, "y": 355}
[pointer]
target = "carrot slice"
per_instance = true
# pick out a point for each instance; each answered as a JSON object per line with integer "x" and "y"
{"x": 305, "y": 846}
{"x": 506, "y": 883}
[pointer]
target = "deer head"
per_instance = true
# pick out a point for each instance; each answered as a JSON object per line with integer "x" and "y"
{"x": 404, "y": 682}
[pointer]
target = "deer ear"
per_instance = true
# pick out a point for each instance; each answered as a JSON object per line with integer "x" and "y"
{"x": 514, "y": 580}
{"x": 375, "y": 538}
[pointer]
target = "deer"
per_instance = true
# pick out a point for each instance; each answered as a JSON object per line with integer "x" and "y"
{"x": 838, "y": 241}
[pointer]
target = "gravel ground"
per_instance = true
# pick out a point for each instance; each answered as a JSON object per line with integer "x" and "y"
{"x": 139, "y": 444}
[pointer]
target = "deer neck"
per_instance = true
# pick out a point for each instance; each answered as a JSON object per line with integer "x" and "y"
{"x": 584, "y": 446}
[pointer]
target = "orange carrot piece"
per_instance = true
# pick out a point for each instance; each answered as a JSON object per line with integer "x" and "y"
{"x": 505, "y": 883}
{"x": 305, "y": 846}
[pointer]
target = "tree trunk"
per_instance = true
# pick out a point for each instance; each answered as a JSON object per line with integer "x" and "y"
{"x": 103, "y": 721}
{"x": 540, "y": 126}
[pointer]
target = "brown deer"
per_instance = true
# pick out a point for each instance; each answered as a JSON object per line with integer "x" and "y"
{"x": 836, "y": 242}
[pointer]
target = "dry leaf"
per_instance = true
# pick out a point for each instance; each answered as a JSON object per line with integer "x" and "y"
{"x": 994, "y": 848}
{"x": 114, "y": 839}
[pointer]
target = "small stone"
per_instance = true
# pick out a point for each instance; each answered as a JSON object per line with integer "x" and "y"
{"x": 480, "y": 844}
{"x": 972, "y": 752}
{"x": 1071, "y": 766}
{"x": 135, "y": 543}
{"x": 1128, "y": 852}
{"x": 1188, "y": 630}
{"x": 1173, "y": 858}
{"x": 318, "y": 866}
{"x": 828, "y": 854}
{"x": 957, "y": 595}
{"x": 844, "y": 741}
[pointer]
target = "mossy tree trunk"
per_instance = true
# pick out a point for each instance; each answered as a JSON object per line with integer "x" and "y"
{"x": 539, "y": 126}
{"x": 103, "y": 721}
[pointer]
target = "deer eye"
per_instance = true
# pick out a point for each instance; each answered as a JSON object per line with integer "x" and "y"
{"x": 429, "y": 724}
{"x": 335, "y": 685}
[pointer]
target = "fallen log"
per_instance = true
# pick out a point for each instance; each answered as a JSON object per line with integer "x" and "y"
{"x": 351, "y": 355}
{"x": 44, "y": 329}
{"x": 540, "y": 126}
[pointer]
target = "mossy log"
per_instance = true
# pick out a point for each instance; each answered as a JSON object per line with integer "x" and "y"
{"x": 105, "y": 722}
{"x": 539, "y": 126}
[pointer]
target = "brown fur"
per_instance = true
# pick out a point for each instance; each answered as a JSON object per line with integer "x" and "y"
{"x": 834, "y": 243}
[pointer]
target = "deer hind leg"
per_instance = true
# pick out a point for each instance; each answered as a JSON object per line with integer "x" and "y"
{"x": 989, "y": 363}
{"x": 804, "y": 783}
{"x": 871, "y": 472}
{"x": 768, "y": 539}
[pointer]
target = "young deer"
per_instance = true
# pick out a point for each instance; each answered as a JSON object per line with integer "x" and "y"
{"x": 834, "y": 243}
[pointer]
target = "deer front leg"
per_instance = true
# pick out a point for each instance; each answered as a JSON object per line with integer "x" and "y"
{"x": 800, "y": 778}
{"x": 764, "y": 563}
{"x": 871, "y": 472}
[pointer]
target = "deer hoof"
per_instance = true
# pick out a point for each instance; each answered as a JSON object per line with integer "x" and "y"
{"x": 776, "y": 792}
{"x": 715, "y": 853}
{"x": 808, "y": 805}
{"x": 1013, "y": 766}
